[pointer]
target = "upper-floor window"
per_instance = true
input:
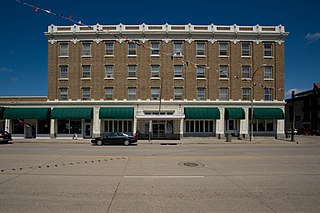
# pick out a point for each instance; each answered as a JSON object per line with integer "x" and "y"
{"x": 268, "y": 72}
{"x": 155, "y": 48}
{"x": 267, "y": 49}
{"x": 201, "y": 48}
{"x": 155, "y": 71}
{"x": 177, "y": 71}
{"x": 108, "y": 92}
{"x": 245, "y": 71}
{"x": 223, "y": 71}
{"x": 201, "y": 93}
{"x": 224, "y": 94}
{"x": 132, "y": 71}
{"x": 177, "y": 49}
{"x": 63, "y": 71}
{"x": 132, "y": 49}
{"x": 108, "y": 71}
{"x": 223, "y": 49}
{"x": 201, "y": 71}
{"x": 86, "y": 93}
{"x": 64, "y": 49}
{"x": 109, "y": 48}
{"x": 246, "y": 94}
{"x": 155, "y": 93}
{"x": 132, "y": 93}
{"x": 86, "y": 49}
{"x": 245, "y": 49}
{"x": 268, "y": 94}
{"x": 178, "y": 92}
{"x": 63, "y": 94}
{"x": 86, "y": 71}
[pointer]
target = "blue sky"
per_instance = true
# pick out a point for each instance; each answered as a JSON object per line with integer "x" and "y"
{"x": 23, "y": 55}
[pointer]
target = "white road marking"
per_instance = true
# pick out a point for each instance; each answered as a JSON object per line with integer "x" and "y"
{"x": 163, "y": 176}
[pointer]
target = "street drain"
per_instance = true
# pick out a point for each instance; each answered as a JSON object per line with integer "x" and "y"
{"x": 191, "y": 164}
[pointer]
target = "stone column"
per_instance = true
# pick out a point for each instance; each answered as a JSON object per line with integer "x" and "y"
{"x": 220, "y": 124}
{"x": 96, "y": 122}
{"x": 244, "y": 124}
{"x": 53, "y": 132}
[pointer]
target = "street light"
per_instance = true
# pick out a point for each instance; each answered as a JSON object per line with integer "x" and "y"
{"x": 252, "y": 96}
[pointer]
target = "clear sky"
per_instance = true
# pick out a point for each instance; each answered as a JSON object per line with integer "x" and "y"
{"x": 23, "y": 55}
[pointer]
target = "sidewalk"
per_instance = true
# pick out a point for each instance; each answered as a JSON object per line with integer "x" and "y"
{"x": 300, "y": 139}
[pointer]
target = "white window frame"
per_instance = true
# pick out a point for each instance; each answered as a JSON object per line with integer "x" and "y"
{"x": 201, "y": 48}
{"x": 64, "y": 49}
{"x": 223, "y": 49}
{"x": 63, "y": 71}
{"x": 86, "y": 71}
{"x": 63, "y": 96}
{"x": 223, "y": 94}
{"x": 109, "y": 51}
{"x": 86, "y": 93}
{"x": 178, "y": 93}
{"x": 246, "y": 94}
{"x": 201, "y": 93}
{"x": 223, "y": 69}
{"x": 246, "y": 72}
{"x": 108, "y": 93}
{"x": 155, "y": 71}
{"x": 86, "y": 49}
{"x": 245, "y": 52}
{"x": 155, "y": 48}
{"x": 268, "y": 94}
{"x": 178, "y": 71}
{"x": 268, "y": 50}
{"x": 132, "y": 93}
{"x": 132, "y": 49}
{"x": 108, "y": 71}
{"x": 178, "y": 49}
{"x": 201, "y": 72}
{"x": 155, "y": 93}
{"x": 132, "y": 71}
{"x": 268, "y": 73}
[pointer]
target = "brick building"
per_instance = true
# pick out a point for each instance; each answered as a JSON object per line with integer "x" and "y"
{"x": 163, "y": 81}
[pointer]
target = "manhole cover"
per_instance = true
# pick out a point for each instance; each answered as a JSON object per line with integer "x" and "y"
{"x": 191, "y": 164}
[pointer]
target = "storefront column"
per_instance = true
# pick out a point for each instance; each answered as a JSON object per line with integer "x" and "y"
{"x": 7, "y": 125}
{"x": 220, "y": 124}
{"x": 280, "y": 128}
{"x": 181, "y": 128}
{"x": 53, "y": 132}
{"x": 244, "y": 124}
{"x": 135, "y": 121}
{"x": 96, "y": 122}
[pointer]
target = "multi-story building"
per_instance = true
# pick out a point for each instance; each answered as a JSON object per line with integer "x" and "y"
{"x": 306, "y": 106}
{"x": 163, "y": 81}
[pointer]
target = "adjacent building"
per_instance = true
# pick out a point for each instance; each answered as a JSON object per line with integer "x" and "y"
{"x": 161, "y": 81}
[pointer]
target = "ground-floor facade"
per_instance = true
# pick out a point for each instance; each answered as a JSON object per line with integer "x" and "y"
{"x": 149, "y": 120}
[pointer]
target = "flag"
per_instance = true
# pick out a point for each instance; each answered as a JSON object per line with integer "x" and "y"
{"x": 70, "y": 17}
{"x": 35, "y": 8}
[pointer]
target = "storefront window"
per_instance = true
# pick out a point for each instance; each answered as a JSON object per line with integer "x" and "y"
{"x": 269, "y": 126}
{"x": 199, "y": 126}
{"x": 69, "y": 126}
{"x": 75, "y": 126}
{"x": 17, "y": 127}
{"x": 261, "y": 127}
{"x": 118, "y": 126}
{"x": 43, "y": 126}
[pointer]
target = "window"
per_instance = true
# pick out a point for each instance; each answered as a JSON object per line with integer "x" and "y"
{"x": 63, "y": 71}
{"x": 224, "y": 94}
{"x": 108, "y": 91}
{"x": 69, "y": 126}
{"x": 132, "y": 71}
{"x": 86, "y": 71}
{"x": 268, "y": 49}
{"x": 155, "y": 48}
{"x": 224, "y": 71}
{"x": 223, "y": 49}
{"x": 132, "y": 93}
{"x": 245, "y": 71}
{"x": 86, "y": 93}
{"x": 200, "y": 48}
{"x": 178, "y": 92}
{"x": 201, "y": 94}
{"x": 246, "y": 94}
{"x": 109, "y": 46}
{"x": 64, "y": 49}
{"x": 118, "y": 126}
{"x": 43, "y": 126}
{"x": 199, "y": 126}
{"x": 268, "y": 72}
{"x": 177, "y": 49}
{"x": 201, "y": 71}
{"x": 108, "y": 71}
{"x": 132, "y": 49}
{"x": 267, "y": 94}
{"x": 155, "y": 93}
{"x": 86, "y": 49}
{"x": 63, "y": 94}
{"x": 155, "y": 71}
{"x": 177, "y": 71}
{"x": 245, "y": 49}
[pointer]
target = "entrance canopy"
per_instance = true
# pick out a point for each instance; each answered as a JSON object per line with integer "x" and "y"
{"x": 125, "y": 113}
{"x": 201, "y": 113}
{"x": 72, "y": 113}
{"x": 234, "y": 113}
{"x": 26, "y": 113}
{"x": 268, "y": 113}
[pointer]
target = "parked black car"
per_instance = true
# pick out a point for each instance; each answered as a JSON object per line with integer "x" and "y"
{"x": 5, "y": 137}
{"x": 114, "y": 138}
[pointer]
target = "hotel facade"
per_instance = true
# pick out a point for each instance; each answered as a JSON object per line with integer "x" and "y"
{"x": 160, "y": 81}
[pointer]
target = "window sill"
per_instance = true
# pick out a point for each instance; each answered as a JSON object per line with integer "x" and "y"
{"x": 155, "y": 78}
{"x": 223, "y": 56}
{"x": 109, "y": 56}
{"x": 201, "y": 56}
{"x": 63, "y": 56}
{"x": 246, "y": 79}
{"x": 177, "y": 78}
{"x": 155, "y": 56}
{"x": 132, "y": 78}
{"x": 201, "y": 78}
{"x": 268, "y": 79}
{"x": 132, "y": 56}
{"x": 63, "y": 79}
{"x": 224, "y": 79}
{"x": 268, "y": 57}
{"x": 86, "y": 56}
{"x": 109, "y": 78}
{"x": 85, "y": 79}
{"x": 246, "y": 56}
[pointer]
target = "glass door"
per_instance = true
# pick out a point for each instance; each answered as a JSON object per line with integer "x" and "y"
{"x": 158, "y": 129}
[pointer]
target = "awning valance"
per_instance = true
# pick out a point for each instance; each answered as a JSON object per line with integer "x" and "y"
{"x": 26, "y": 113}
{"x": 268, "y": 113}
{"x": 72, "y": 113}
{"x": 1, "y": 112}
{"x": 116, "y": 113}
{"x": 202, "y": 113}
{"x": 234, "y": 113}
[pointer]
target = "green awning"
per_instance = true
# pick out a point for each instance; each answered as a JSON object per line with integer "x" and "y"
{"x": 234, "y": 113}
{"x": 268, "y": 113}
{"x": 202, "y": 113}
{"x": 1, "y": 112}
{"x": 26, "y": 113}
{"x": 72, "y": 113}
{"x": 116, "y": 113}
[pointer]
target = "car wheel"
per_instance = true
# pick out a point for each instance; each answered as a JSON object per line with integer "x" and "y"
{"x": 99, "y": 142}
{"x": 126, "y": 142}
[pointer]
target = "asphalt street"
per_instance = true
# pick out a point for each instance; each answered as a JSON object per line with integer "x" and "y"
{"x": 53, "y": 177}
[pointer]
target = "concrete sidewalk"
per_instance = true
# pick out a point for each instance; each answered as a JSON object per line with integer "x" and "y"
{"x": 301, "y": 139}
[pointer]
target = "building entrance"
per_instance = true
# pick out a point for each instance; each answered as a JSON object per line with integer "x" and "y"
{"x": 158, "y": 129}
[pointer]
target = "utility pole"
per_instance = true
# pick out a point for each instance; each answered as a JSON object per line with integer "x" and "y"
{"x": 293, "y": 116}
